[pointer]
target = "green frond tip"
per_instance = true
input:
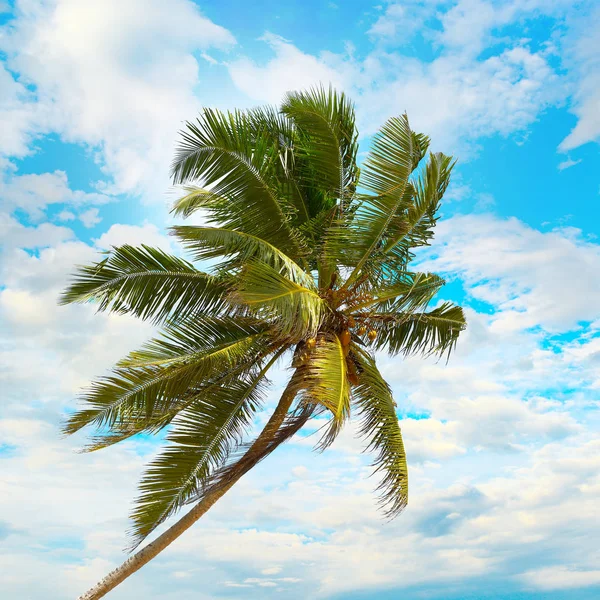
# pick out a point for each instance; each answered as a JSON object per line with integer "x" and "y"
{"x": 434, "y": 332}
{"x": 327, "y": 140}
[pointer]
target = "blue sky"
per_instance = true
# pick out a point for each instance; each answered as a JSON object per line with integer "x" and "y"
{"x": 502, "y": 442}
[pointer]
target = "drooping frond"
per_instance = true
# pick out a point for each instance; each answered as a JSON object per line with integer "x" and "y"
{"x": 200, "y": 441}
{"x": 133, "y": 423}
{"x": 206, "y": 243}
{"x": 427, "y": 333}
{"x": 326, "y": 384}
{"x": 295, "y": 310}
{"x": 148, "y": 283}
{"x": 154, "y": 380}
{"x": 379, "y": 425}
{"x": 238, "y": 164}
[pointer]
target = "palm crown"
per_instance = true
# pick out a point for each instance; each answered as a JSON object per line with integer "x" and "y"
{"x": 310, "y": 260}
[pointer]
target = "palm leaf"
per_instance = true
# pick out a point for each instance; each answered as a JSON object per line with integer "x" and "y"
{"x": 433, "y": 332}
{"x": 385, "y": 175}
{"x": 148, "y": 283}
{"x": 379, "y": 425}
{"x": 326, "y": 384}
{"x": 201, "y": 439}
{"x": 295, "y": 310}
{"x": 206, "y": 243}
{"x": 420, "y": 215}
{"x": 238, "y": 164}
{"x": 197, "y": 198}
{"x": 153, "y": 380}
{"x": 413, "y": 291}
{"x": 327, "y": 139}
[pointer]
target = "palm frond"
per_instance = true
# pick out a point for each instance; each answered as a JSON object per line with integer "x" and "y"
{"x": 206, "y": 243}
{"x": 200, "y": 441}
{"x": 379, "y": 425}
{"x": 294, "y": 309}
{"x": 196, "y": 198}
{"x": 420, "y": 217}
{"x": 279, "y": 128}
{"x": 238, "y": 164}
{"x": 413, "y": 291}
{"x": 148, "y": 283}
{"x": 385, "y": 176}
{"x": 326, "y": 384}
{"x": 327, "y": 140}
{"x": 154, "y": 380}
{"x": 427, "y": 333}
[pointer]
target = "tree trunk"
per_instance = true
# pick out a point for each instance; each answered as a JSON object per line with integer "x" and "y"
{"x": 254, "y": 454}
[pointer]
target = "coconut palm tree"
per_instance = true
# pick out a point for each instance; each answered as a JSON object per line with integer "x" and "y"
{"x": 310, "y": 269}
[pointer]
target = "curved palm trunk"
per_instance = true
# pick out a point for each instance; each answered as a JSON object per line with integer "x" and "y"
{"x": 258, "y": 450}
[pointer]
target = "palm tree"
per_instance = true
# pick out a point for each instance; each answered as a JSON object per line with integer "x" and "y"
{"x": 310, "y": 268}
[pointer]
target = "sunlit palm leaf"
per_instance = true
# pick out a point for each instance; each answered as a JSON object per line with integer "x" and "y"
{"x": 415, "y": 290}
{"x": 385, "y": 175}
{"x": 295, "y": 310}
{"x": 153, "y": 381}
{"x": 238, "y": 164}
{"x": 326, "y": 378}
{"x": 327, "y": 139}
{"x": 420, "y": 216}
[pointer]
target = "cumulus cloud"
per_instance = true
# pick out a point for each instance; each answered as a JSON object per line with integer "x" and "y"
{"x": 290, "y": 69}
{"x": 455, "y": 98}
{"x": 33, "y": 193}
{"x": 504, "y": 467}
{"x": 528, "y": 276}
{"x": 129, "y": 99}
{"x": 585, "y": 60}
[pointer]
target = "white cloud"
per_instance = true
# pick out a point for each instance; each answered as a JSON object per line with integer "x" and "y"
{"x": 401, "y": 20}
{"x": 128, "y": 99}
{"x": 134, "y": 235}
{"x": 454, "y": 98}
{"x": 65, "y": 215}
{"x": 527, "y": 275}
{"x": 33, "y": 193}
{"x": 290, "y": 69}
{"x": 567, "y": 164}
{"x": 559, "y": 577}
{"x": 15, "y": 234}
{"x": 90, "y": 217}
{"x": 19, "y": 115}
{"x": 585, "y": 62}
